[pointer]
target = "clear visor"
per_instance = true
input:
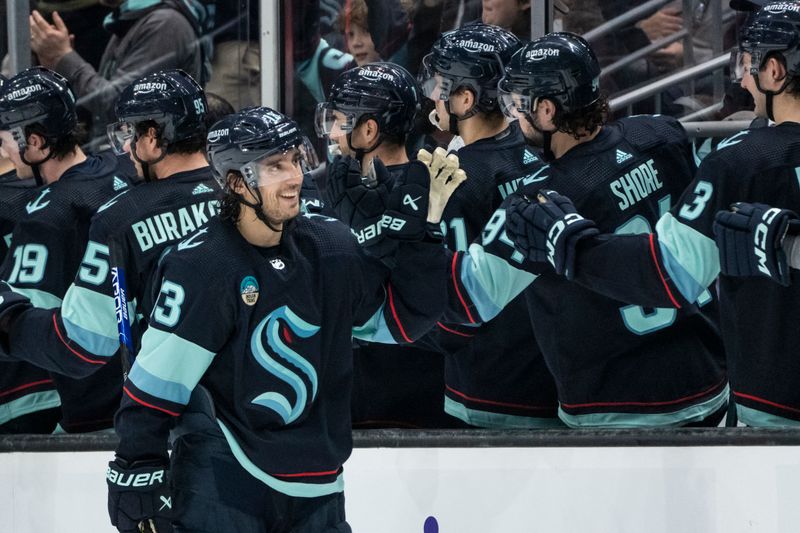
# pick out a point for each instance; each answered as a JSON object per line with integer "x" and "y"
{"x": 737, "y": 66}
{"x": 437, "y": 87}
{"x": 273, "y": 168}
{"x": 12, "y": 139}
{"x": 515, "y": 105}
{"x": 333, "y": 123}
{"x": 310, "y": 157}
{"x": 120, "y": 135}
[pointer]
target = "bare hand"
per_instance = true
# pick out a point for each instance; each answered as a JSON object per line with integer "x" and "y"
{"x": 445, "y": 179}
{"x": 669, "y": 58}
{"x": 50, "y": 42}
{"x": 661, "y": 23}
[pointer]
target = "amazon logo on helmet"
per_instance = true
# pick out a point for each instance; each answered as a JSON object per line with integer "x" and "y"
{"x": 537, "y": 54}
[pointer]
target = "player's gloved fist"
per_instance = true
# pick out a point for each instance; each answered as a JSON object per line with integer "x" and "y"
{"x": 548, "y": 230}
{"x": 356, "y": 202}
{"x": 750, "y": 240}
{"x": 407, "y": 209}
{"x": 11, "y": 305}
{"x": 445, "y": 177}
{"x": 138, "y": 493}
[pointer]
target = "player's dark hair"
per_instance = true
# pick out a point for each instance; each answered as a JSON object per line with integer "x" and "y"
{"x": 61, "y": 146}
{"x": 217, "y": 109}
{"x": 392, "y": 137}
{"x": 584, "y": 120}
{"x": 793, "y": 86}
{"x": 190, "y": 145}
{"x": 230, "y": 205}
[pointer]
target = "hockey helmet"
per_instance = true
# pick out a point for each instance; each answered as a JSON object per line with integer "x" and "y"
{"x": 244, "y": 141}
{"x": 774, "y": 29}
{"x": 37, "y": 96}
{"x": 559, "y": 66}
{"x": 171, "y": 99}
{"x": 383, "y": 91}
{"x": 472, "y": 57}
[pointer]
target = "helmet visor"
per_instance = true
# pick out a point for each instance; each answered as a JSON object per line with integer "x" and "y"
{"x": 275, "y": 167}
{"x": 333, "y": 123}
{"x": 120, "y": 135}
{"x": 434, "y": 85}
{"x": 515, "y": 105}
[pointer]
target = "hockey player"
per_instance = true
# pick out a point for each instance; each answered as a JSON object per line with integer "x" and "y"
{"x": 672, "y": 266}
{"x": 29, "y": 402}
{"x": 162, "y": 126}
{"x": 494, "y": 375}
{"x": 37, "y": 109}
{"x": 254, "y": 321}
{"x": 369, "y": 112}
{"x": 614, "y": 365}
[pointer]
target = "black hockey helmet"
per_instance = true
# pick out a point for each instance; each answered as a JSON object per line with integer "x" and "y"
{"x": 559, "y": 66}
{"x": 37, "y": 96}
{"x": 242, "y": 140}
{"x": 775, "y": 29}
{"x": 385, "y": 92}
{"x": 170, "y": 98}
{"x": 471, "y": 57}
{"x": 3, "y": 81}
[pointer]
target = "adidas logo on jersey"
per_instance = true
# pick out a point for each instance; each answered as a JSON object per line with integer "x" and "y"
{"x": 622, "y": 156}
{"x": 202, "y": 189}
{"x": 528, "y": 157}
{"x": 119, "y": 184}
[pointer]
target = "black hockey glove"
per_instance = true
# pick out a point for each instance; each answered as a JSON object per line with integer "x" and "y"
{"x": 356, "y": 203}
{"x": 548, "y": 230}
{"x": 11, "y": 305}
{"x": 139, "y": 498}
{"x": 750, "y": 240}
{"x": 407, "y": 211}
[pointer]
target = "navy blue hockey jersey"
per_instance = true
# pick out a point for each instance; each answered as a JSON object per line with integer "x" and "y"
{"x": 46, "y": 249}
{"x": 131, "y": 231}
{"x": 495, "y": 375}
{"x": 672, "y": 266}
{"x": 267, "y": 332}
{"x": 615, "y": 365}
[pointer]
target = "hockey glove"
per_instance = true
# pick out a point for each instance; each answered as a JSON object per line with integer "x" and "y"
{"x": 11, "y": 305}
{"x": 750, "y": 240}
{"x": 139, "y": 497}
{"x": 445, "y": 177}
{"x": 548, "y": 230}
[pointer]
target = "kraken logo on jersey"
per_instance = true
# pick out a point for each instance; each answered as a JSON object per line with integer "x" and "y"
{"x": 173, "y": 225}
{"x": 277, "y": 328}
{"x": 38, "y": 205}
{"x": 249, "y": 288}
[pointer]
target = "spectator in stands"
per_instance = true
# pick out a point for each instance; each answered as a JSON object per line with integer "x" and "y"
{"x": 147, "y": 36}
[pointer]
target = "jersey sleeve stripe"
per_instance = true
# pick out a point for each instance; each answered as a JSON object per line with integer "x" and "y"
{"x": 456, "y": 278}
{"x": 765, "y": 402}
{"x": 676, "y": 401}
{"x": 90, "y": 320}
{"x": 70, "y": 348}
{"x": 690, "y": 258}
{"x": 157, "y": 387}
{"x": 375, "y": 329}
{"x": 25, "y": 386}
{"x": 395, "y": 315}
{"x": 151, "y": 406}
{"x": 661, "y": 274}
{"x": 39, "y": 298}
{"x": 171, "y": 361}
{"x": 454, "y": 332}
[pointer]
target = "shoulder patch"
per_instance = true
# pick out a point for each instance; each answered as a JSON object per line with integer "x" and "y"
{"x": 38, "y": 204}
{"x": 250, "y": 290}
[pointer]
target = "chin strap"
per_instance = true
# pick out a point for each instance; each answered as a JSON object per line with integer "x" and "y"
{"x": 146, "y": 164}
{"x": 37, "y": 175}
{"x": 771, "y": 94}
{"x": 361, "y": 152}
{"x": 455, "y": 119}
{"x": 258, "y": 208}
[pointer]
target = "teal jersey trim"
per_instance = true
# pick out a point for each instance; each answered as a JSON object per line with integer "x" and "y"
{"x": 169, "y": 367}
{"x": 375, "y": 329}
{"x": 687, "y": 415}
{"x": 297, "y": 489}
{"x": 691, "y": 258}
{"x": 39, "y": 299}
{"x": 759, "y": 419}
{"x": 30, "y": 403}
{"x": 90, "y": 319}
{"x": 490, "y": 281}
{"x": 485, "y": 419}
